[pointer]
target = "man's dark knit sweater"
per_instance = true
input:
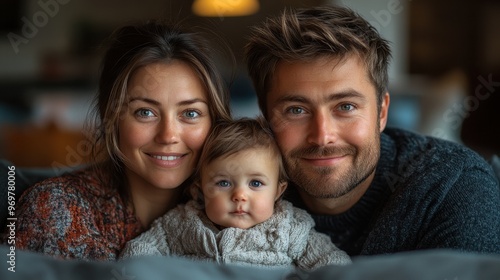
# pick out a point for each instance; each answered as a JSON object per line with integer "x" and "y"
{"x": 427, "y": 193}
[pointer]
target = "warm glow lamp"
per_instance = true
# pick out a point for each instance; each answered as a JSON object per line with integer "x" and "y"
{"x": 225, "y": 8}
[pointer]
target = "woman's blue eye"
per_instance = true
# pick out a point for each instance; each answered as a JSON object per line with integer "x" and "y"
{"x": 144, "y": 113}
{"x": 191, "y": 114}
{"x": 255, "y": 183}
{"x": 223, "y": 183}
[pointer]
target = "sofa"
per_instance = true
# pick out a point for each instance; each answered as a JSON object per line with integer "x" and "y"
{"x": 432, "y": 264}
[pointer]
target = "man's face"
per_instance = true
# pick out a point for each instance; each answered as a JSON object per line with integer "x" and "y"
{"x": 324, "y": 115}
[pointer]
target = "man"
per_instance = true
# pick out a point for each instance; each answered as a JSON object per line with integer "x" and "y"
{"x": 321, "y": 79}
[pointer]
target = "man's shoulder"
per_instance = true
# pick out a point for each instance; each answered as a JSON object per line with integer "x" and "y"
{"x": 406, "y": 139}
{"x": 410, "y": 146}
{"x": 413, "y": 163}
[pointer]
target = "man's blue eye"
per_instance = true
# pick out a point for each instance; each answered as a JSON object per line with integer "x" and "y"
{"x": 296, "y": 110}
{"x": 346, "y": 107}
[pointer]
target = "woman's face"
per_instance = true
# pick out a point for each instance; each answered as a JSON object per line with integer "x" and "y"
{"x": 164, "y": 125}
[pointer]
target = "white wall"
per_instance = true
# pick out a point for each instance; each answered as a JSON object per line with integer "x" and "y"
{"x": 390, "y": 17}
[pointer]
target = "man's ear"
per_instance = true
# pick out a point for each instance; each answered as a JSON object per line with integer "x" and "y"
{"x": 384, "y": 111}
{"x": 281, "y": 189}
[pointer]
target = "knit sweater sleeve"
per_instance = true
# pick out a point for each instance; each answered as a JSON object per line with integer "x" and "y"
{"x": 55, "y": 220}
{"x": 318, "y": 250}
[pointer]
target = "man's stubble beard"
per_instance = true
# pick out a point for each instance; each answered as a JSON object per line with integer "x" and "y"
{"x": 327, "y": 182}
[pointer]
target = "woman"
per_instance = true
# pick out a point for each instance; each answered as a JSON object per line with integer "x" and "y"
{"x": 159, "y": 94}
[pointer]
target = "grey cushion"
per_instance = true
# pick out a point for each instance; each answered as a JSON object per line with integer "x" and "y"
{"x": 430, "y": 264}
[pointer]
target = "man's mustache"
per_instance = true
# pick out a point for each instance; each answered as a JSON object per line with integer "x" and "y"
{"x": 317, "y": 151}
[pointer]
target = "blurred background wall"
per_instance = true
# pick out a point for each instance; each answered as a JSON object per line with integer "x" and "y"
{"x": 444, "y": 77}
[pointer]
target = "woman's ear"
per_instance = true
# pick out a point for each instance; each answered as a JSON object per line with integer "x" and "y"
{"x": 281, "y": 189}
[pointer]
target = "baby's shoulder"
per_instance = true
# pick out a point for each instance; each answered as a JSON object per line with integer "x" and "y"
{"x": 296, "y": 216}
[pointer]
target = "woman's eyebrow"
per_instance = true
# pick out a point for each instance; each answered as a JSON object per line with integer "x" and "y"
{"x": 144, "y": 99}
{"x": 192, "y": 101}
{"x": 155, "y": 102}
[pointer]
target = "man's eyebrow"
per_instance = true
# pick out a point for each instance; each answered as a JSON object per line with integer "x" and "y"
{"x": 348, "y": 93}
{"x": 292, "y": 98}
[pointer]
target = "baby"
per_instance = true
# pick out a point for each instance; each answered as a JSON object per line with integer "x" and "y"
{"x": 236, "y": 215}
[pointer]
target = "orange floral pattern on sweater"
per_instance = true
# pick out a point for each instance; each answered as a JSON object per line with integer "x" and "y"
{"x": 75, "y": 217}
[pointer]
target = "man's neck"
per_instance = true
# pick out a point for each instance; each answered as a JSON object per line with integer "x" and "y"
{"x": 335, "y": 206}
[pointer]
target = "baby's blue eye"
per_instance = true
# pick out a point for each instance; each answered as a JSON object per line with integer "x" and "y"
{"x": 223, "y": 183}
{"x": 255, "y": 183}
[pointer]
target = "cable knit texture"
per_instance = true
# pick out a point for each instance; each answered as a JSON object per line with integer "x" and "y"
{"x": 286, "y": 239}
{"x": 427, "y": 193}
{"x": 74, "y": 217}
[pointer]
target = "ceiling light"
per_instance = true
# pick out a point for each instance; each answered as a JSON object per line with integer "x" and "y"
{"x": 225, "y": 8}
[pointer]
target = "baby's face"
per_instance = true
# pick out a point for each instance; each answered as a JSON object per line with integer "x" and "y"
{"x": 240, "y": 189}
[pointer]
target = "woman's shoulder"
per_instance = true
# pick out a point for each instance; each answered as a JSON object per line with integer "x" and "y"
{"x": 71, "y": 216}
{"x": 82, "y": 184}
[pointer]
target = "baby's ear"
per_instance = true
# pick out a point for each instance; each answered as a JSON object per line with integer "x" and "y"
{"x": 281, "y": 189}
{"x": 195, "y": 191}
